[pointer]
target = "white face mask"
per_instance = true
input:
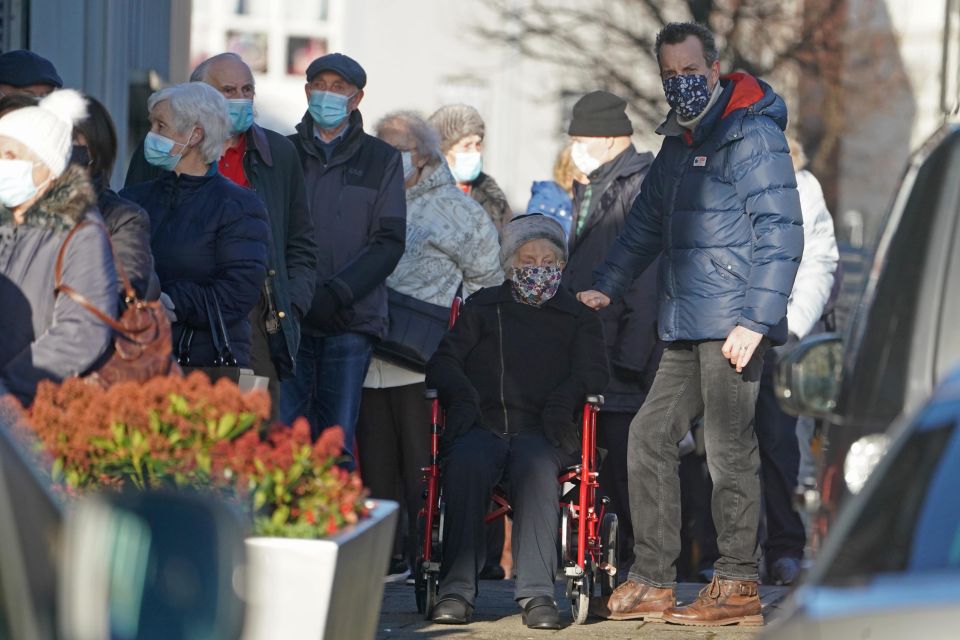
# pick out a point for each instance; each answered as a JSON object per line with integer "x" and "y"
{"x": 585, "y": 162}
{"x": 409, "y": 170}
{"x": 16, "y": 182}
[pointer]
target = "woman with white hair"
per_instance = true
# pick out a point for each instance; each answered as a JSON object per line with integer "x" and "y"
{"x": 449, "y": 241}
{"x": 209, "y": 236}
{"x": 511, "y": 375}
{"x": 46, "y": 334}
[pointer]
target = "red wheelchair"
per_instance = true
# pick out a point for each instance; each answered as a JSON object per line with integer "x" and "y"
{"x": 588, "y": 532}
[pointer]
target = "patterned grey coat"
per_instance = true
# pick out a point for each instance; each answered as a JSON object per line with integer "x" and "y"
{"x": 450, "y": 239}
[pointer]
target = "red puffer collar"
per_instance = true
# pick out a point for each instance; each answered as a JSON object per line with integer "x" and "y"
{"x": 746, "y": 91}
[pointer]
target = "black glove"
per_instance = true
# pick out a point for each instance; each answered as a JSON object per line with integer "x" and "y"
{"x": 460, "y": 417}
{"x": 560, "y": 429}
{"x": 326, "y": 310}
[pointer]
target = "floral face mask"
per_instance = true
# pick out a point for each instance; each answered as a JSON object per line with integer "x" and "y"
{"x": 535, "y": 285}
{"x": 687, "y": 95}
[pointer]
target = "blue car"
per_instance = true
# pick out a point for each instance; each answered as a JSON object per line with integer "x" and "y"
{"x": 890, "y": 567}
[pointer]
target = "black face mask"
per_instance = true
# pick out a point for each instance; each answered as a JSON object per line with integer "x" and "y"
{"x": 80, "y": 155}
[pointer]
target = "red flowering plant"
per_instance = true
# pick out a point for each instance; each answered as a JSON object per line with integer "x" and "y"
{"x": 191, "y": 433}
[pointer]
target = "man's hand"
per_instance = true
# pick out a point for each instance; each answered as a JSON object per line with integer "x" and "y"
{"x": 740, "y": 345}
{"x": 594, "y": 299}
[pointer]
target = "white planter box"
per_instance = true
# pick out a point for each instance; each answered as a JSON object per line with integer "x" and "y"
{"x": 314, "y": 589}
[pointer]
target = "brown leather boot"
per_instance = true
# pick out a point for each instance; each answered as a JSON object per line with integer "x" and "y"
{"x": 635, "y": 600}
{"x": 722, "y": 602}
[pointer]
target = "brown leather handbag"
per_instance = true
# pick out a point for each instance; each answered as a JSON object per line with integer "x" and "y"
{"x": 142, "y": 343}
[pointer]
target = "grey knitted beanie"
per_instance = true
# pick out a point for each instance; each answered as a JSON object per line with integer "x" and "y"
{"x": 454, "y": 122}
{"x": 527, "y": 227}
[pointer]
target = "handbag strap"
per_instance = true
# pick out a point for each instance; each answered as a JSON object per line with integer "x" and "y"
{"x": 78, "y": 297}
{"x": 218, "y": 330}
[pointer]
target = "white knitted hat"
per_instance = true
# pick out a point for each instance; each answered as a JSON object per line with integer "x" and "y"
{"x": 47, "y": 129}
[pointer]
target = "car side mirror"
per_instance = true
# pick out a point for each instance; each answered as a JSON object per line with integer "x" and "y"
{"x": 808, "y": 378}
{"x": 143, "y": 565}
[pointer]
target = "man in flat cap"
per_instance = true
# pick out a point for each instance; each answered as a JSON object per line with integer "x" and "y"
{"x": 23, "y": 71}
{"x": 357, "y": 201}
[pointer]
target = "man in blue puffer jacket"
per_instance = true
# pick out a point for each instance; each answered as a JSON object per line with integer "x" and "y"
{"x": 720, "y": 203}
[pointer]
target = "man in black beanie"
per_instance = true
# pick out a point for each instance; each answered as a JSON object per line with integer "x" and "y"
{"x": 602, "y": 151}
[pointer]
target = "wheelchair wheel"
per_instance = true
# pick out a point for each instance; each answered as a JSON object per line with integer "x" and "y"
{"x": 580, "y": 600}
{"x": 609, "y": 539}
{"x": 420, "y": 590}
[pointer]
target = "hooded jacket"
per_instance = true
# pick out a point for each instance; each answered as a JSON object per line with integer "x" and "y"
{"x": 629, "y": 323}
{"x": 721, "y": 205}
{"x": 359, "y": 211}
{"x": 210, "y": 242}
{"x": 45, "y": 335}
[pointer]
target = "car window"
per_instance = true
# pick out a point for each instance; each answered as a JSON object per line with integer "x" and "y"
{"x": 910, "y": 521}
{"x": 883, "y": 332}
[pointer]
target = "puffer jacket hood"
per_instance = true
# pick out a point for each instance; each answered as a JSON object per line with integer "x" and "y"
{"x": 720, "y": 203}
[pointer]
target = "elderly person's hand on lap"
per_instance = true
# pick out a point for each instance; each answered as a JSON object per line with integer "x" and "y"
{"x": 512, "y": 374}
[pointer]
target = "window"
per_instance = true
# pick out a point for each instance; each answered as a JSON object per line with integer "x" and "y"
{"x": 910, "y": 522}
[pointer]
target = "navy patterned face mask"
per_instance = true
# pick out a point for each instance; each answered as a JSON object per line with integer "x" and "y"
{"x": 688, "y": 96}
{"x": 535, "y": 285}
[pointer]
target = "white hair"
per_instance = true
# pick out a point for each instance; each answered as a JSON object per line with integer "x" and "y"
{"x": 197, "y": 104}
{"x": 424, "y": 136}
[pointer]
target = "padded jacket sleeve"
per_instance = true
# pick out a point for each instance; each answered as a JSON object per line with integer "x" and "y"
{"x": 762, "y": 171}
{"x": 76, "y": 338}
{"x": 591, "y": 370}
{"x": 301, "y": 249}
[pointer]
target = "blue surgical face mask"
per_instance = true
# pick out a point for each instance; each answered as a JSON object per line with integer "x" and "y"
{"x": 688, "y": 96}
{"x": 328, "y": 109}
{"x": 241, "y": 114}
{"x": 467, "y": 166}
{"x": 16, "y": 182}
{"x": 157, "y": 148}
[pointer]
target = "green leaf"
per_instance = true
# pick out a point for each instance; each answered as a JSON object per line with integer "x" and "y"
{"x": 56, "y": 472}
{"x": 227, "y": 422}
{"x": 280, "y": 515}
{"x": 259, "y": 499}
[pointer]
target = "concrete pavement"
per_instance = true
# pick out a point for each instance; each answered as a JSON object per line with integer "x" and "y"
{"x": 498, "y": 618}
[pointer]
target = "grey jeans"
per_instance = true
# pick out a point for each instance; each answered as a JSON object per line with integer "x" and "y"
{"x": 695, "y": 379}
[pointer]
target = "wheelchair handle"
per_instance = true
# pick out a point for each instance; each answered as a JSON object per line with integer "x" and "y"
{"x": 596, "y": 399}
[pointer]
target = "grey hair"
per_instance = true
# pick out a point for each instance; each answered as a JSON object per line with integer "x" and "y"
{"x": 454, "y": 122}
{"x": 197, "y": 104}
{"x": 425, "y": 137}
{"x": 199, "y": 73}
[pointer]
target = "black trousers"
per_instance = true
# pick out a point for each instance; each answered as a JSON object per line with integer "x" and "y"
{"x": 393, "y": 444}
{"x": 779, "y": 468}
{"x": 613, "y": 430}
{"x": 529, "y": 465}
{"x": 260, "y": 359}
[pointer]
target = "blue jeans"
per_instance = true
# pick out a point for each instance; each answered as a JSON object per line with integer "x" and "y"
{"x": 328, "y": 383}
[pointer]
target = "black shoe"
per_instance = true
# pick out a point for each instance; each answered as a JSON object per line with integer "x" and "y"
{"x": 398, "y": 571}
{"x": 541, "y": 613}
{"x": 492, "y": 572}
{"x": 451, "y": 609}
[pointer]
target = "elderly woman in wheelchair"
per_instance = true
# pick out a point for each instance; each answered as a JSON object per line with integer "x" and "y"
{"x": 511, "y": 375}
